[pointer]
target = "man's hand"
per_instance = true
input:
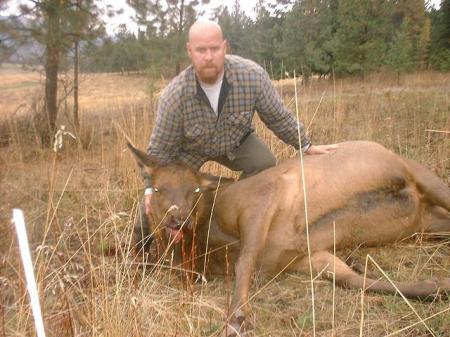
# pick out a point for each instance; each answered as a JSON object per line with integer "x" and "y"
{"x": 321, "y": 149}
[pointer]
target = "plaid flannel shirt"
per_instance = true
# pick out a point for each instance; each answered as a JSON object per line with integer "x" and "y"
{"x": 188, "y": 130}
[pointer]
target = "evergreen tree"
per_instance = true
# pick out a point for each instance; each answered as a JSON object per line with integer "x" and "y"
{"x": 352, "y": 19}
{"x": 236, "y": 28}
{"x": 85, "y": 26}
{"x": 266, "y": 35}
{"x": 424, "y": 43}
{"x": 440, "y": 37}
{"x": 364, "y": 29}
{"x": 168, "y": 20}
{"x": 53, "y": 24}
{"x": 414, "y": 12}
{"x": 400, "y": 53}
{"x": 307, "y": 34}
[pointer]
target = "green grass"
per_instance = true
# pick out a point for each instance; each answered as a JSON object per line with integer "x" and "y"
{"x": 24, "y": 84}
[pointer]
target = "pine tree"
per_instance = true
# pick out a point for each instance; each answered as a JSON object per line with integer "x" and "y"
{"x": 236, "y": 27}
{"x": 352, "y": 22}
{"x": 168, "y": 20}
{"x": 424, "y": 43}
{"x": 440, "y": 37}
{"x": 266, "y": 37}
{"x": 307, "y": 34}
{"x": 364, "y": 29}
{"x": 414, "y": 12}
{"x": 400, "y": 57}
{"x": 84, "y": 26}
{"x": 53, "y": 24}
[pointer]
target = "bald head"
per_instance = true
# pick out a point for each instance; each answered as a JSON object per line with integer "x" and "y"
{"x": 201, "y": 27}
{"x": 206, "y": 49}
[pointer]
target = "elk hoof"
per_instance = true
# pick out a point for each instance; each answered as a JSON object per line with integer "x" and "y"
{"x": 238, "y": 328}
{"x": 230, "y": 331}
{"x": 444, "y": 286}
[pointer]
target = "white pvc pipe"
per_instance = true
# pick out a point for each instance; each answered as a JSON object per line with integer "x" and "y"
{"x": 19, "y": 222}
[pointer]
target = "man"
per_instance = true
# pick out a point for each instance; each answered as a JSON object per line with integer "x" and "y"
{"x": 206, "y": 113}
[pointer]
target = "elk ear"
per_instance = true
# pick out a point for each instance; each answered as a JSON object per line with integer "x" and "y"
{"x": 210, "y": 182}
{"x": 145, "y": 162}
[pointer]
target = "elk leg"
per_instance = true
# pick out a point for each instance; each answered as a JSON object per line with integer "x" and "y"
{"x": 253, "y": 237}
{"x": 359, "y": 267}
{"x": 323, "y": 262}
{"x": 438, "y": 220}
{"x": 245, "y": 265}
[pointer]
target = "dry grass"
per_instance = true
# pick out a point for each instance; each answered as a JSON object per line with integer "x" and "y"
{"x": 19, "y": 89}
{"x": 80, "y": 204}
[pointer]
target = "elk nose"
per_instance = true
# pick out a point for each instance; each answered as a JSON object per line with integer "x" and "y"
{"x": 173, "y": 208}
{"x": 174, "y": 222}
{"x": 173, "y": 211}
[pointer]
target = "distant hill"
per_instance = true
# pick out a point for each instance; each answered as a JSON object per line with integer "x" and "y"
{"x": 26, "y": 52}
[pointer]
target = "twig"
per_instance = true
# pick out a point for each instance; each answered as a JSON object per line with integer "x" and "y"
{"x": 69, "y": 312}
{"x": 207, "y": 241}
{"x": 362, "y": 298}
{"x": 438, "y": 131}
{"x": 315, "y": 112}
{"x": 2, "y": 315}
{"x": 306, "y": 211}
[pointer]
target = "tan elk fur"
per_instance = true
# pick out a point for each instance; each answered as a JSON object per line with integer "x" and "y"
{"x": 371, "y": 195}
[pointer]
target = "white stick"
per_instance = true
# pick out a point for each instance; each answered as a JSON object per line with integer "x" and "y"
{"x": 28, "y": 268}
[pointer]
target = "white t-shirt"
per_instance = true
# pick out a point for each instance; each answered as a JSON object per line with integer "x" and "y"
{"x": 212, "y": 91}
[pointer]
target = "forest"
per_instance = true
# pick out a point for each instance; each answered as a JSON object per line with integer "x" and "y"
{"x": 321, "y": 37}
{"x": 309, "y": 36}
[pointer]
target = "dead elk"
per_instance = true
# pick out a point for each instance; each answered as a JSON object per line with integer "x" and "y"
{"x": 369, "y": 194}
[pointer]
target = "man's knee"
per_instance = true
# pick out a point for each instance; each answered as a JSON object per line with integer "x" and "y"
{"x": 253, "y": 156}
{"x": 259, "y": 164}
{"x": 267, "y": 161}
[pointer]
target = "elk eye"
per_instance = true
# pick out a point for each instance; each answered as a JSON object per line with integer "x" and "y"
{"x": 197, "y": 190}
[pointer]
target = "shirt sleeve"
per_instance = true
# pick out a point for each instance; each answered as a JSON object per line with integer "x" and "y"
{"x": 277, "y": 117}
{"x": 167, "y": 134}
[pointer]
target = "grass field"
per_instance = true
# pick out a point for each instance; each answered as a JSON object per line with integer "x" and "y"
{"x": 80, "y": 204}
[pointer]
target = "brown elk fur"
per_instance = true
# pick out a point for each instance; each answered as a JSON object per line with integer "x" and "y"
{"x": 370, "y": 195}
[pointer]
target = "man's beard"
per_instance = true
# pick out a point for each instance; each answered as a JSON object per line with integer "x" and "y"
{"x": 209, "y": 74}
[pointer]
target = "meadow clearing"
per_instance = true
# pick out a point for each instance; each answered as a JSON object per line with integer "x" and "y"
{"x": 80, "y": 203}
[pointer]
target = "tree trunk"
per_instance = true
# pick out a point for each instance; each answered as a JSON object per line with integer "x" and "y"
{"x": 53, "y": 47}
{"x": 76, "y": 118}
{"x": 76, "y": 69}
{"x": 179, "y": 37}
